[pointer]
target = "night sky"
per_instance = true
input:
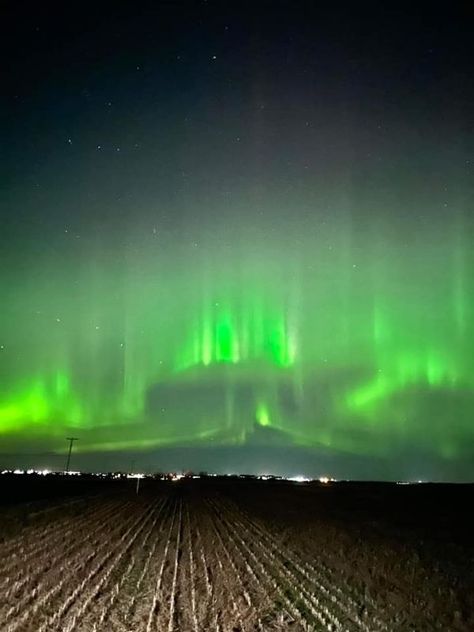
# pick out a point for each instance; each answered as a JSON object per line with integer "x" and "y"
{"x": 239, "y": 237}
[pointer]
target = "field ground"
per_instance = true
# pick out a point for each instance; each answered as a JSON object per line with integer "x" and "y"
{"x": 234, "y": 555}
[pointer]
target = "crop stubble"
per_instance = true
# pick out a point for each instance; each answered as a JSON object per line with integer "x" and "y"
{"x": 169, "y": 563}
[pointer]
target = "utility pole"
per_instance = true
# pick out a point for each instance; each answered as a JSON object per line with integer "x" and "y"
{"x": 71, "y": 441}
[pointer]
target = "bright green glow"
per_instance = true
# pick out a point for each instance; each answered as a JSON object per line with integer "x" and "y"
{"x": 253, "y": 332}
{"x": 355, "y": 348}
{"x": 39, "y": 402}
{"x": 406, "y": 370}
{"x": 262, "y": 414}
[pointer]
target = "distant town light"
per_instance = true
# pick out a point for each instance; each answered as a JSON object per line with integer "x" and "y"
{"x": 299, "y": 479}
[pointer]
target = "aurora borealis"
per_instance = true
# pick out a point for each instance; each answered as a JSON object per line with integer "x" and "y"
{"x": 219, "y": 232}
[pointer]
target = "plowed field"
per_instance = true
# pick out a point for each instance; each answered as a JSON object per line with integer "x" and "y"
{"x": 185, "y": 559}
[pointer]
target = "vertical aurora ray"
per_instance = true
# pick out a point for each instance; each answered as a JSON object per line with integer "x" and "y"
{"x": 243, "y": 331}
{"x": 262, "y": 414}
{"x": 459, "y": 278}
{"x": 356, "y": 347}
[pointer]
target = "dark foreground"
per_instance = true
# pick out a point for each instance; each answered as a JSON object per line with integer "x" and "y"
{"x": 234, "y": 555}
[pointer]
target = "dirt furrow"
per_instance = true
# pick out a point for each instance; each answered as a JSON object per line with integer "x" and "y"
{"x": 312, "y": 601}
{"x": 56, "y": 582}
{"x": 88, "y": 591}
{"x": 33, "y": 538}
{"x": 128, "y": 598}
{"x": 317, "y": 578}
{"x": 26, "y": 556}
{"x": 105, "y": 605}
{"x": 194, "y": 622}
{"x": 248, "y": 595}
{"x": 319, "y": 600}
{"x": 173, "y": 621}
{"x": 42, "y": 578}
{"x": 278, "y": 592}
{"x": 158, "y": 601}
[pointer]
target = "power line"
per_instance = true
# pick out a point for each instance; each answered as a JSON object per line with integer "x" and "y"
{"x": 71, "y": 441}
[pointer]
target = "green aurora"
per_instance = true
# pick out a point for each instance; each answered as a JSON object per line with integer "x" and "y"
{"x": 239, "y": 231}
{"x": 355, "y": 338}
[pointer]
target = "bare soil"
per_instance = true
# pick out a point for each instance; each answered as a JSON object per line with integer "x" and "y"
{"x": 237, "y": 555}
